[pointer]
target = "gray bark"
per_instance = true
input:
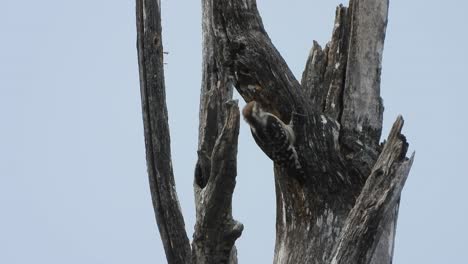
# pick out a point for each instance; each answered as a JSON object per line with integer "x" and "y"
{"x": 363, "y": 230}
{"x": 215, "y": 172}
{"x": 157, "y": 139}
{"x": 343, "y": 206}
{"x": 215, "y": 229}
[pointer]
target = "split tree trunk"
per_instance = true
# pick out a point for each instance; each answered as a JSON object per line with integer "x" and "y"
{"x": 344, "y": 208}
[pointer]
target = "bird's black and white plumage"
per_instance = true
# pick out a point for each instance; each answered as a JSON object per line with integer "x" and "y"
{"x": 272, "y": 135}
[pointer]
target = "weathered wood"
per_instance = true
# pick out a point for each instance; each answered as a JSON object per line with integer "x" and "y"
{"x": 325, "y": 71}
{"x": 383, "y": 252}
{"x": 215, "y": 230}
{"x": 380, "y": 194}
{"x": 313, "y": 77}
{"x": 157, "y": 139}
{"x": 362, "y": 105}
{"x": 262, "y": 75}
{"x": 342, "y": 206}
{"x": 311, "y": 211}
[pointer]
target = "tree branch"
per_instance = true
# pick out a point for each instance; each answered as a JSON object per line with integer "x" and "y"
{"x": 336, "y": 135}
{"x": 383, "y": 252}
{"x": 380, "y": 194}
{"x": 215, "y": 231}
{"x": 362, "y": 105}
{"x": 325, "y": 73}
{"x": 157, "y": 139}
{"x": 262, "y": 75}
{"x": 343, "y": 206}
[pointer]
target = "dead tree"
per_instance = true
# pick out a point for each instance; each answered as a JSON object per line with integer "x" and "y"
{"x": 343, "y": 206}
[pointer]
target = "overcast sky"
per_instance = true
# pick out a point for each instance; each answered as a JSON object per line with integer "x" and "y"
{"x": 73, "y": 183}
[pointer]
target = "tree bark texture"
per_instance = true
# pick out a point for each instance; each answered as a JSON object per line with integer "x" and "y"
{"x": 343, "y": 206}
{"x": 156, "y": 128}
{"x": 216, "y": 169}
{"x": 215, "y": 229}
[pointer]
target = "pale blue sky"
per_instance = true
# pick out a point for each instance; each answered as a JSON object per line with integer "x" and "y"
{"x": 73, "y": 184}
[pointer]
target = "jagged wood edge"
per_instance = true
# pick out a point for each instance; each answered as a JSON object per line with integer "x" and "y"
{"x": 215, "y": 230}
{"x": 168, "y": 213}
{"x": 281, "y": 109}
{"x": 324, "y": 80}
{"x": 377, "y": 200}
{"x": 262, "y": 75}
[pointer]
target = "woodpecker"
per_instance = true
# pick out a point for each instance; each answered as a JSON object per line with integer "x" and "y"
{"x": 273, "y": 136}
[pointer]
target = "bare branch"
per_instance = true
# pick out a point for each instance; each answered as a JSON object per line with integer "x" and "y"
{"x": 246, "y": 52}
{"x": 325, "y": 71}
{"x": 216, "y": 230}
{"x": 383, "y": 252}
{"x": 380, "y": 194}
{"x": 313, "y": 77}
{"x": 362, "y": 105}
{"x": 343, "y": 206}
{"x": 157, "y": 139}
{"x": 336, "y": 138}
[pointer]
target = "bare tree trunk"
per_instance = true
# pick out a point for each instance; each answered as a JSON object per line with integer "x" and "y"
{"x": 157, "y": 140}
{"x": 215, "y": 230}
{"x": 343, "y": 206}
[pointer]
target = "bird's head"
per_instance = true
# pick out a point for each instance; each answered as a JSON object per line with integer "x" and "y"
{"x": 251, "y": 111}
